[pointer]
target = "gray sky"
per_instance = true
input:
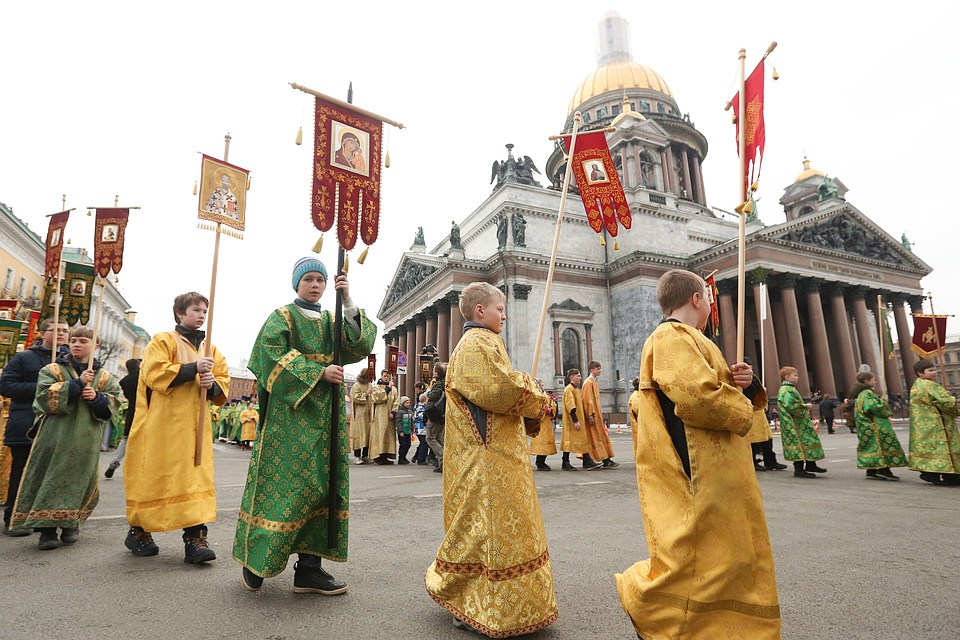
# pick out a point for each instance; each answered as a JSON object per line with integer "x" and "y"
{"x": 105, "y": 98}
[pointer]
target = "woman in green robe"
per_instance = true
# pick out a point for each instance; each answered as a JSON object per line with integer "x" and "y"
{"x": 934, "y": 440}
{"x": 59, "y": 487}
{"x": 801, "y": 443}
{"x": 878, "y": 448}
{"x": 285, "y": 503}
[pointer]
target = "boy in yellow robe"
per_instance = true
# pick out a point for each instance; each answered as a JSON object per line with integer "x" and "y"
{"x": 492, "y": 570}
{"x": 573, "y": 438}
{"x": 248, "y": 425}
{"x": 165, "y": 490}
{"x": 710, "y": 572}
{"x": 545, "y": 443}
{"x": 601, "y": 450}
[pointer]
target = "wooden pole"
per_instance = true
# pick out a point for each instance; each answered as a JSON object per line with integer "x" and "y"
{"x": 56, "y": 306}
{"x": 556, "y": 244}
{"x": 346, "y": 105}
{"x": 96, "y": 322}
{"x": 882, "y": 380}
{"x": 742, "y": 177}
{"x": 208, "y": 341}
{"x": 332, "y": 520}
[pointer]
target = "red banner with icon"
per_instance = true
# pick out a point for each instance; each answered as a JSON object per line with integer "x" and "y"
{"x": 55, "y": 239}
{"x": 596, "y": 175}
{"x": 108, "y": 240}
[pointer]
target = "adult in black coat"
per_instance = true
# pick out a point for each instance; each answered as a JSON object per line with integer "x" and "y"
{"x": 128, "y": 384}
{"x": 19, "y": 383}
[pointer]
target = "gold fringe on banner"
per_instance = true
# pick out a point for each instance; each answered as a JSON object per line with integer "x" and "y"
{"x": 386, "y": 160}
{"x": 603, "y": 242}
{"x": 300, "y": 136}
{"x": 616, "y": 245}
{"x": 363, "y": 255}
{"x": 194, "y": 187}
{"x": 318, "y": 245}
{"x": 346, "y": 263}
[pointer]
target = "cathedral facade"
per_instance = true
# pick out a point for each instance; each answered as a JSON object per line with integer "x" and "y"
{"x": 828, "y": 271}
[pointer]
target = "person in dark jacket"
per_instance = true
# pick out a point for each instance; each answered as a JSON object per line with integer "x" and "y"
{"x": 19, "y": 383}
{"x": 128, "y": 384}
{"x": 828, "y": 407}
{"x": 403, "y": 419}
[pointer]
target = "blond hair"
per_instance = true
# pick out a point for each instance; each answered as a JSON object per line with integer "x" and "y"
{"x": 675, "y": 288}
{"x": 82, "y": 332}
{"x": 477, "y": 293}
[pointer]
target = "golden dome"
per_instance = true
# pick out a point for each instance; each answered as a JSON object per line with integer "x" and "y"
{"x": 807, "y": 172}
{"x": 616, "y": 76}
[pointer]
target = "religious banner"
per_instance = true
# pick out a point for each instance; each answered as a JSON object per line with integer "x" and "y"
{"x": 599, "y": 184}
{"x": 33, "y": 323}
{"x": 7, "y": 309}
{"x": 55, "y": 231}
{"x": 9, "y": 339}
{"x": 372, "y": 366}
{"x": 393, "y": 353}
{"x": 108, "y": 240}
{"x": 929, "y": 332}
{"x": 346, "y": 172}
{"x": 713, "y": 320}
{"x": 223, "y": 192}
{"x": 753, "y": 125}
{"x": 76, "y": 291}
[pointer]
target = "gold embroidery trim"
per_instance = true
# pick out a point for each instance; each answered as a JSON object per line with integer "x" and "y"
{"x": 50, "y": 514}
{"x": 288, "y": 527}
{"x": 322, "y": 358}
{"x": 696, "y": 606}
{"x": 53, "y": 396}
{"x": 495, "y": 575}
{"x": 289, "y": 357}
{"x": 102, "y": 381}
{"x": 494, "y": 633}
{"x": 162, "y": 502}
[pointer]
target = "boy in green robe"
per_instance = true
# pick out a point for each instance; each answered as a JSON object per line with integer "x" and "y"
{"x": 285, "y": 503}
{"x": 801, "y": 444}
{"x": 934, "y": 441}
{"x": 59, "y": 487}
{"x": 878, "y": 448}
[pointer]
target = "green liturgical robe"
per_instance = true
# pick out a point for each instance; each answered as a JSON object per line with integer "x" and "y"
{"x": 59, "y": 487}
{"x": 285, "y": 503}
{"x": 877, "y": 443}
{"x": 934, "y": 441}
{"x": 800, "y": 439}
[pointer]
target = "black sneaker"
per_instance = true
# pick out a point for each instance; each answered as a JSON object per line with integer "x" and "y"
{"x": 316, "y": 580}
{"x": 140, "y": 543}
{"x": 438, "y": 469}
{"x": 568, "y": 467}
{"x": 251, "y": 581}
{"x": 197, "y": 550}
{"x": 69, "y": 536}
{"x": 757, "y": 466}
{"x": 111, "y": 469}
{"x": 776, "y": 466}
{"x": 932, "y": 478}
{"x": 592, "y": 465}
{"x": 543, "y": 467}
{"x": 800, "y": 473}
{"x": 610, "y": 464}
{"x": 48, "y": 539}
{"x": 20, "y": 533}
{"x": 813, "y": 468}
{"x": 403, "y": 461}
{"x": 888, "y": 474}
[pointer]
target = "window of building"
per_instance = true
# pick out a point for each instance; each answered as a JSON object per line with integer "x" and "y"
{"x": 951, "y": 378}
{"x": 22, "y": 289}
{"x": 947, "y": 357}
{"x": 602, "y": 112}
{"x": 8, "y": 283}
{"x": 35, "y": 293}
{"x": 570, "y": 350}
{"x": 644, "y": 105}
{"x": 661, "y": 108}
{"x": 616, "y": 109}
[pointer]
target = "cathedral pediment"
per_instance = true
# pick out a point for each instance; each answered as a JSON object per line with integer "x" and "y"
{"x": 846, "y": 232}
{"x": 408, "y": 276}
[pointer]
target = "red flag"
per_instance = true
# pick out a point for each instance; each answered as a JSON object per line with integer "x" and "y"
{"x": 58, "y": 224}
{"x": 599, "y": 184}
{"x": 32, "y": 328}
{"x": 753, "y": 127}
{"x": 108, "y": 240}
{"x": 7, "y": 308}
{"x": 928, "y": 339}
{"x": 346, "y": 172}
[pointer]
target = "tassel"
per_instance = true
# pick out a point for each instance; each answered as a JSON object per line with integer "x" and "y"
{"x": 733, "y": 119}
{"x": 346, "y": 263}
{"x": 363, "y": 255}
{"x": 748, "y": 207}
{"x": 776, "y": 76}
{"x": 318, "y": 245}
{"x": 603, "y": 242}
{"x": 300, "y": 136}
{"x": 386, "y": 161}
{"x": 194, "y": 187}
{"x": 755, "y": 185}
{"x": 89, "y": 213}
{"x": 616, "y": 245}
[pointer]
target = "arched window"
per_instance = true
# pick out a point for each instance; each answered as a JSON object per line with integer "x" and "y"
{"x": 570, "y": 350}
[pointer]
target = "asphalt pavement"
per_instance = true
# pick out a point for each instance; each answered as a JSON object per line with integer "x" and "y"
{"x": 855, "y": 558}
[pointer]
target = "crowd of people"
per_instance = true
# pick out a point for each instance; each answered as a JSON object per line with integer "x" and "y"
{"x": 697, "y": 422}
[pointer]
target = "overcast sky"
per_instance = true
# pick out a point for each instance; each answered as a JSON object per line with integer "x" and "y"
{"x": 104, "y": 98}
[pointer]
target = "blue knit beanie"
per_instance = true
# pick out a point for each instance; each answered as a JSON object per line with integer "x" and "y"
{"x": 305, "y": 265}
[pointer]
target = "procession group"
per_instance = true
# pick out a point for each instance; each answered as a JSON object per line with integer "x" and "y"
{"x": 710, "y": 573}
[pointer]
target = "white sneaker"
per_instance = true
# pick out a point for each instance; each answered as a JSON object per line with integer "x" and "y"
{"x": 357, "y": 461}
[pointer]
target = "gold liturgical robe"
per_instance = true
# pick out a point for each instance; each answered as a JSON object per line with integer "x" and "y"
{"x": 760, "y": 430}
{"x": 492, "y": 569}
{"x": 362, "y": 415}
{"x": 710, "y": 575}
{"x": 164, "y": 489}
{"x": 383, "y": 432}
{"x": 573, "y": 440}
{"x": 545, "y": 442}
{"x": 600, "y": 447}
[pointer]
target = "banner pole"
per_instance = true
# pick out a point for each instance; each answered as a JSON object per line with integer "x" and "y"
{"x": 936, "y": 336}
{"x": 741, "y": 251}
{"x": 882, "y": 380}
{"x": 96, "y": 323}
{"x": 556, "y": 244}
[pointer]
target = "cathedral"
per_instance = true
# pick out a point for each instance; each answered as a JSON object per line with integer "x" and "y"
{"x": 828, "y": 271}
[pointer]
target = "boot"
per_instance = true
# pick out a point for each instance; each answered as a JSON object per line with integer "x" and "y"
{"x": 932, "y": 478}
{"x": 610, "y": 464}
{"x": 16, "y": 533}
{"x": 798, "y": 471}
{"x": 590, "y": 464}
{"x": 196, "y": 549}
{"x": 111, "y": 469}
{"x": 887, "y": 473}
{"x": 309, "y": 577}
{"x": 874, "y": 474}
{"x": 542, "y": 463}
{"x": 141, "y": 543}
{"x": 251, "y": 581}
{"x": 770, "y": 457}
{"x": 950, "y": 479}
{"x": 48, "y": 539}
{"x": 69, "y": 535}
{"x": 566, "y": 462}
{"x": 813, "y": 468}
